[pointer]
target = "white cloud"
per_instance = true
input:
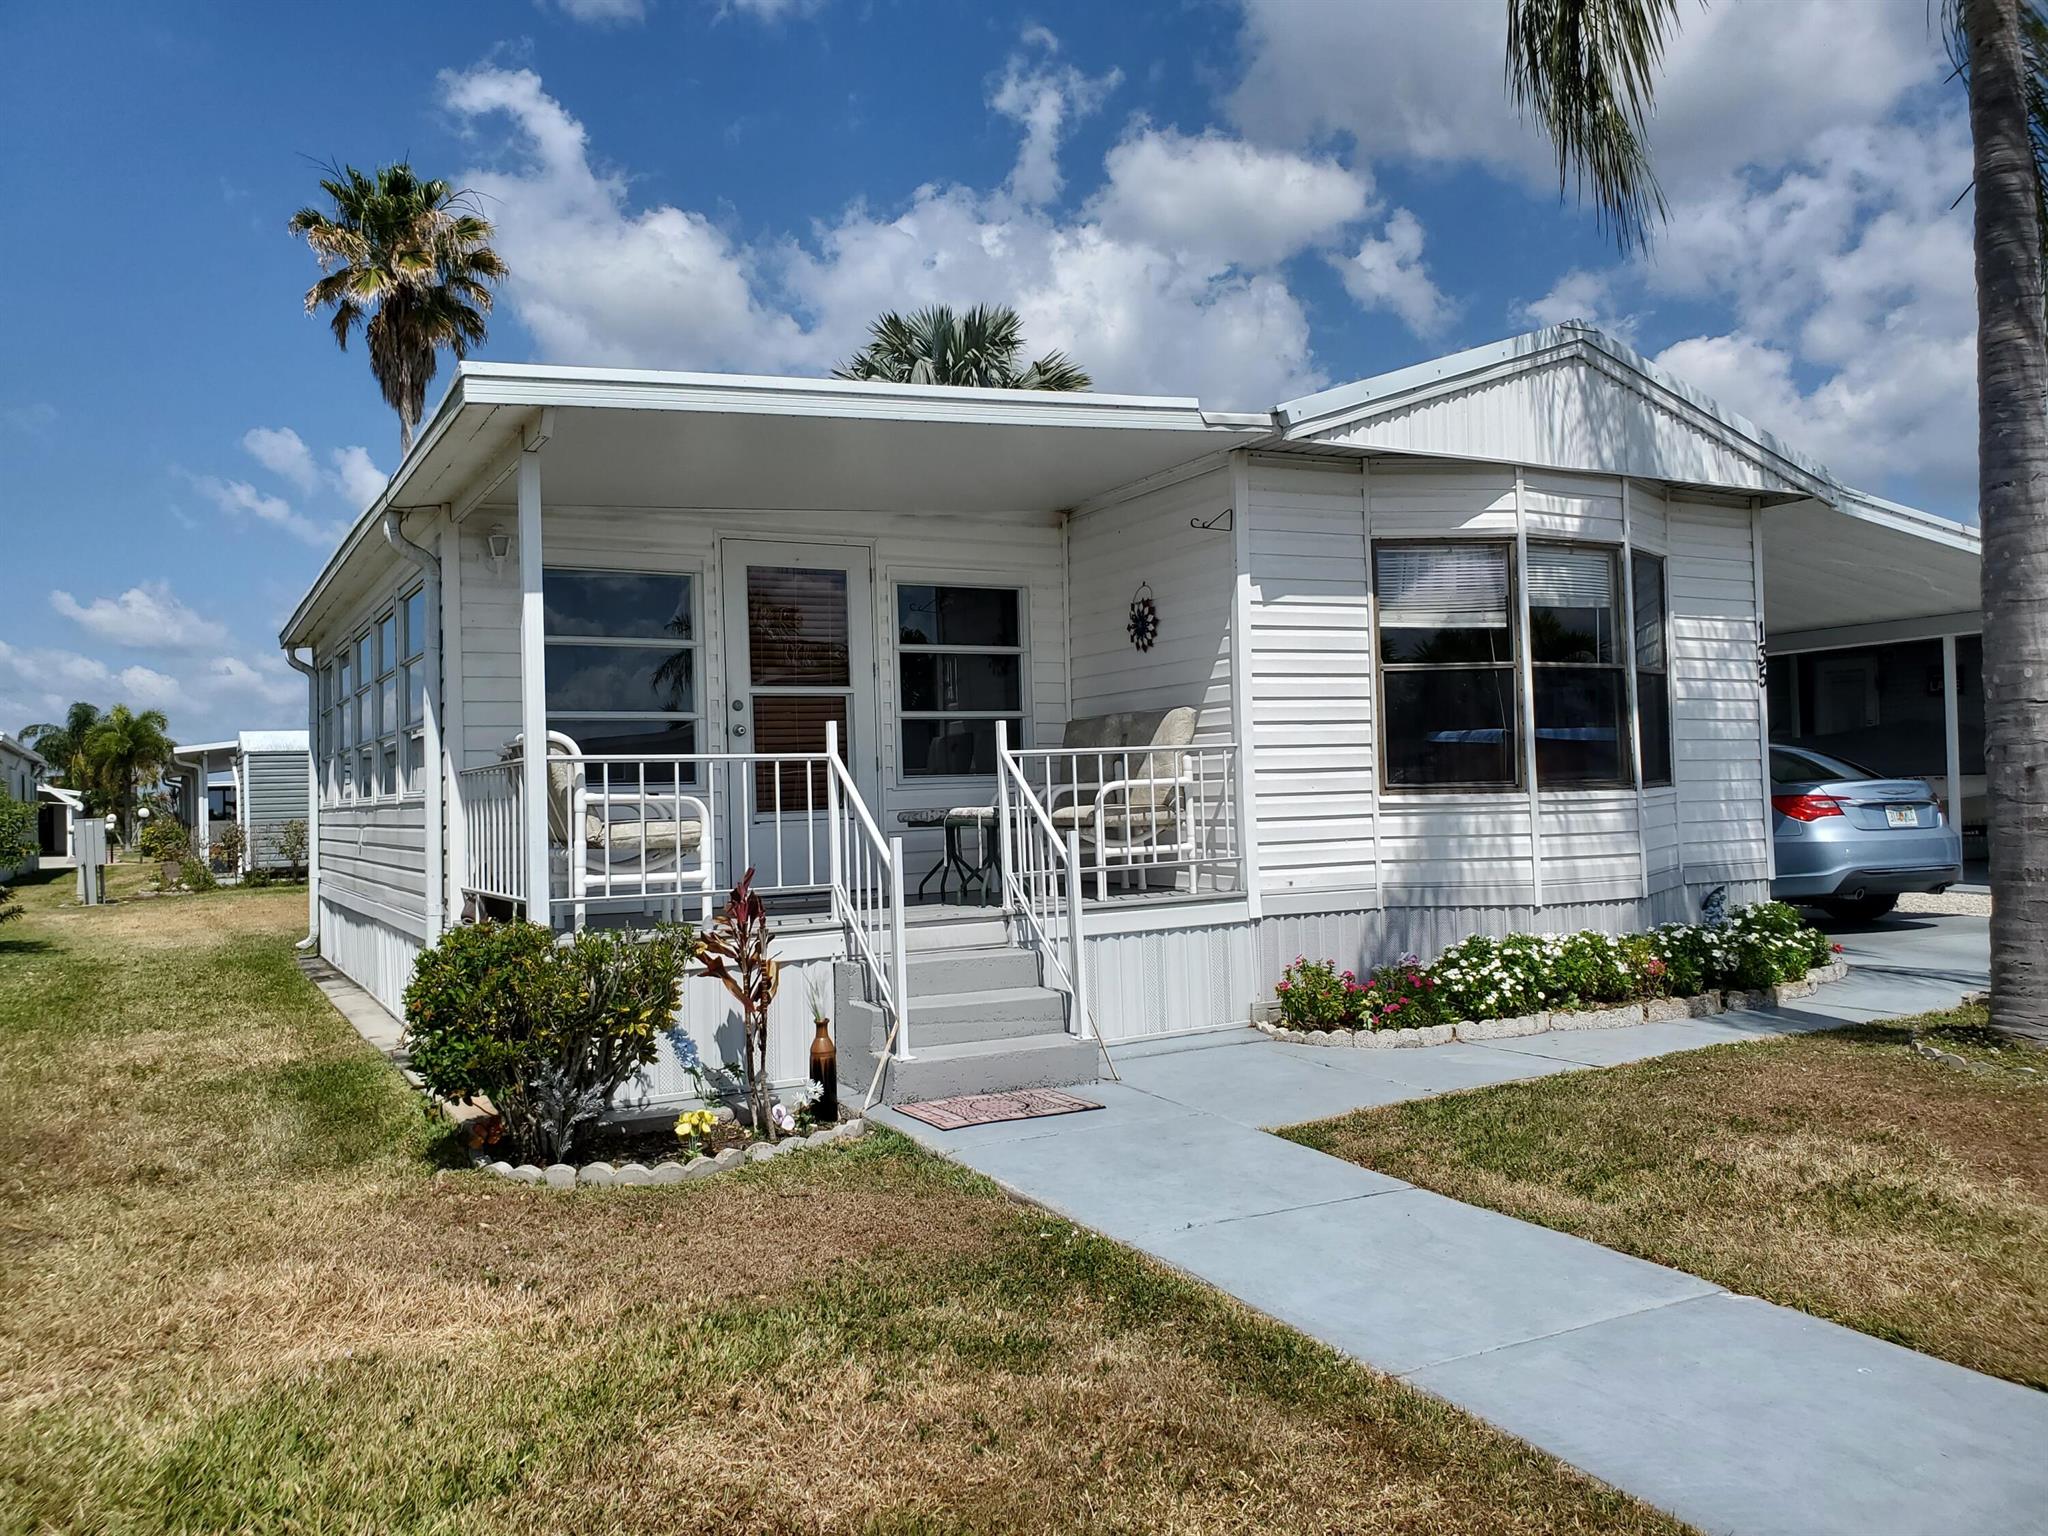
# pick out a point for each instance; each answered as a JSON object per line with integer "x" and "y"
{"x": 594, "y": 281}
{"x": 355, "y": 474}
{"x": 238, "y": 498}
{"x": 148, "y": 617}
{"x": 284, "y": 453}
{"x": 1044, "y": 99}
{"x": 603, "y": 12}
{"x": 599, "y": 281}
{"x": 1580, "y": 295}
{"x": 147, "y": 688}
{"x": 772, "y": 10}
{"x": 34, "y": 418}
{"x": 1744, "y": 82}
{"x": 1225, "y": 199}
{"x": 205, "y": 699}
{"x": 1388, "y": 273}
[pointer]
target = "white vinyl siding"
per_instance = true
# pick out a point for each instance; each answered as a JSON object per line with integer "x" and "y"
{"x": 1311, "y": 675}
{"x": 1717, "y": 715}
{"x": 1148, "y": 538}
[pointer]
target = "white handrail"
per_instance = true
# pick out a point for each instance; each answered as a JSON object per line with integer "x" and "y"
{"x": 866, "y": 878}
{"x": 1041, "y": 875}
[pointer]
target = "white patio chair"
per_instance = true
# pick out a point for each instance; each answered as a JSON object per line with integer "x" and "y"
{"x": 626, "y": 841}
{"x": 1129, "y": 794}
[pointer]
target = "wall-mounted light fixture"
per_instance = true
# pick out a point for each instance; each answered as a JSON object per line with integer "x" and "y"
{"x": 499, "y": 543}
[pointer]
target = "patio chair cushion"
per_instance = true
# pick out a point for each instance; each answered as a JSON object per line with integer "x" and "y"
{"x": 626, "y": 835}
{"x": 1121, "y": 738}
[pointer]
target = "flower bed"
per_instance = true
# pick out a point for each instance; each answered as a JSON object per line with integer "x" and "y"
{"x": 1490, "y": 988}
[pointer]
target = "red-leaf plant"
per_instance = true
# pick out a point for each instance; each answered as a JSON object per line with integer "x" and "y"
{"x": 735, "y": 951}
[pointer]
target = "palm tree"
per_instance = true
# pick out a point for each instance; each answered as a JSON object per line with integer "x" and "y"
{"x": 980, "y": 349}
{"x": 1586, "y": 68}
{"x": 123, "y": 749}
{"x": 409, "y": 261}
{"x": 59, "y": 745}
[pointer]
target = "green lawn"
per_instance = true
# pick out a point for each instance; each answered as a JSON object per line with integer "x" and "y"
{"x": 236, "y": 1294}
{"x": 1840, "y": 1173}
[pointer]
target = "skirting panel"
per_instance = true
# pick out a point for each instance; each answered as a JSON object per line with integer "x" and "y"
{"x": 711, "y": 1019}
{"x": 1170, "y": 981}
{"x": 375, "y": 956}
{"x": 1359, "y": 940}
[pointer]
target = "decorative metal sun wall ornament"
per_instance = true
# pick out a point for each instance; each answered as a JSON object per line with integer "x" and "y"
{"x": 1143, "y": 627}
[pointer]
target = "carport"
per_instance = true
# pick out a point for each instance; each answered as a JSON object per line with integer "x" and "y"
{"x": 1873, "y": 639}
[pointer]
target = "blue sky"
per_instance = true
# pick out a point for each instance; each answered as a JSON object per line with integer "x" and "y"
{"x": 1240, "y": 199}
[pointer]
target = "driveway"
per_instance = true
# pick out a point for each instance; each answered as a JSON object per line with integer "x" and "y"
{"x": 1729, "y": 1412}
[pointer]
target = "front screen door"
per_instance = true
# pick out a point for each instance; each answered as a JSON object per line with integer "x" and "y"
{"x": 799, "y": 634}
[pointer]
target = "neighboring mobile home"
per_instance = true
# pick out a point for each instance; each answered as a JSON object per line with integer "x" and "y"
{"x": 1475, "y": 645}
{"x": 22, "y": 770}
{"x": 261, "y": 779}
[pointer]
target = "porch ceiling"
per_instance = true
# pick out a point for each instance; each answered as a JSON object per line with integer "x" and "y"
{"x": 1864, "y": 562}
{"x": 747, "y": 461}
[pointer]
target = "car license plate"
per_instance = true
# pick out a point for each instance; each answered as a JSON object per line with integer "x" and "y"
{"x": 1901, "y": 816}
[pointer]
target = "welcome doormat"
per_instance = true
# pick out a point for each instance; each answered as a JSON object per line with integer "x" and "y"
{"x": 990, "y": 1108}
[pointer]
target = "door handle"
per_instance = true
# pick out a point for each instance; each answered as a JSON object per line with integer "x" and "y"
{"x": 739, "y": 730}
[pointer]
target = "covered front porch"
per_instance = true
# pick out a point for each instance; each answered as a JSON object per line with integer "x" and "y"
{"x": 868, "y": 666}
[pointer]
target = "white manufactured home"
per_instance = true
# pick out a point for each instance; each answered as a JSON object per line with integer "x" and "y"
{"x": 1048, "y": 720}
{"x": 260, "y": 780}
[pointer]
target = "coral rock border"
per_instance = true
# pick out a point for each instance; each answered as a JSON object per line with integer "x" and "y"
{"x": 628, "y": 1175}
{"x": 1620, "y": 1016}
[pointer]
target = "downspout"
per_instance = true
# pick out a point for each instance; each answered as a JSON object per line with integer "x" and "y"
{"x": 429, "y": 565}
{"x": 312, "y": 797}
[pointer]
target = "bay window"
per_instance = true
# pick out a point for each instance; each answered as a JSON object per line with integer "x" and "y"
{"x": 1448, "y": 694}
{"x": 1653, "y": 666}
{"x": 621, "y": 657}
{"x": 1579, "y": 677}
{"x": 959, "y": 669}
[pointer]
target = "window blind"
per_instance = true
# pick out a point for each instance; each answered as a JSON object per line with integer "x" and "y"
{"x": 1570, "y": 578}
{"x": 1443, "y": 586}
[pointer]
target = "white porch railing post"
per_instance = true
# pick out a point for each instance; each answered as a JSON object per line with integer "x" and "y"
{"x": 1006, "y": 855}
{"x": 533, "y": 704}
{"x": 833, "y": 852}
{"x": 1076, "y": 968}
{"x": 899, "y": 951}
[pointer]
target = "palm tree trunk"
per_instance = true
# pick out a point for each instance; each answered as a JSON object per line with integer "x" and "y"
{"x": 2012, "y": 468}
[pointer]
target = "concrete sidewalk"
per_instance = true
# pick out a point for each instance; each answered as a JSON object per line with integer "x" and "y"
{"x": 1731, "y": 1413}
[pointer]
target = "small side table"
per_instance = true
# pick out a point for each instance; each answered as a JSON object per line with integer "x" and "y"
{"x": 971, "y": 874}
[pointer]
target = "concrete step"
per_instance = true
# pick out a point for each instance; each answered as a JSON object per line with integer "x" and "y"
{"x": 923, "y": 934}
{"x": 934, "y": 973}
{"x": 990, "y": 1066}
{"x": 999, "y": 1013}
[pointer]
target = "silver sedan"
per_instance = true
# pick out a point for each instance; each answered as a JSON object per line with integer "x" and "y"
{"x": 1850, "y": 841}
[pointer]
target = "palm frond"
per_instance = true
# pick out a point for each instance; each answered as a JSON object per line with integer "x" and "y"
{"x": 1586, "y": 69}
{"x": 408, "y": 259}
{"x": 979, "y": 349}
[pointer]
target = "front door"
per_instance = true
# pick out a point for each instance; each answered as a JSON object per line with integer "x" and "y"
{"x": 799, "y": 638}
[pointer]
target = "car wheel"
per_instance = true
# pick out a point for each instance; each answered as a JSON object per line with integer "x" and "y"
{"x": 1860, "y": 909}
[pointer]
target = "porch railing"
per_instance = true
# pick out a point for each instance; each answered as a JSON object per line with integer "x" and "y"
{"x": 1149, "y": 820}
{"x": 494, "y": 831}
{"x": 867, "y": 897}
{"x": 667, "y": 836}
{"x": 1042, "y": 882}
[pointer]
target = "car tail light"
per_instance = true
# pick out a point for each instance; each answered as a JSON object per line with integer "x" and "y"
{"x": 1806, "y": 807}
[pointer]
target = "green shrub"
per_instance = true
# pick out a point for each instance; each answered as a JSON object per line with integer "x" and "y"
{"x": 1313, "y": 995}
{"x": 163, "y": 840}
{"x": 547, "y": 1032}
{"x": 197, "y": 876}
